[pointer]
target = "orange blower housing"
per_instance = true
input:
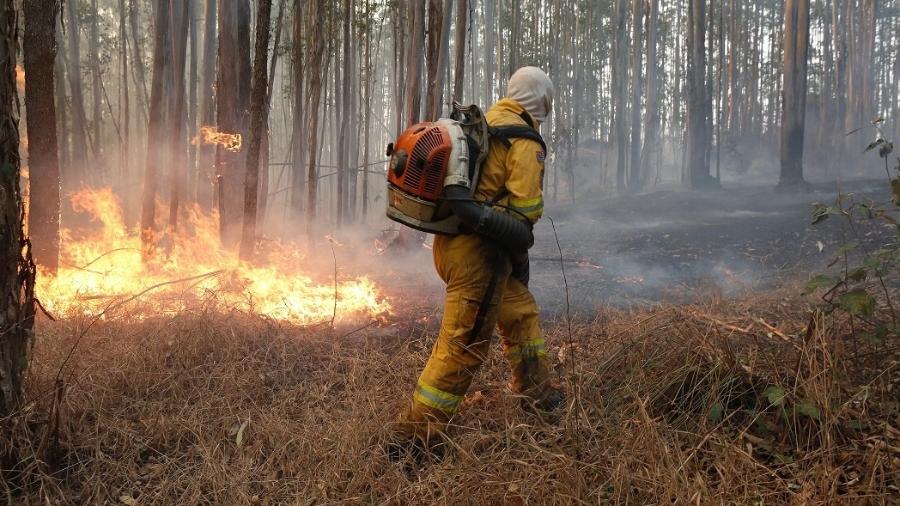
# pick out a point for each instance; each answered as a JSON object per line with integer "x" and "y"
{"x": 429, "y": 157}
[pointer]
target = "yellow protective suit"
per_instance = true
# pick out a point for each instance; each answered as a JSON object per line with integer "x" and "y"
{"x": 482, "y": 295}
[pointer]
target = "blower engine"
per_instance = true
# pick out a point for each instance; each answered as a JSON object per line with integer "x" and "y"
{"x": 433, "y": 174}
{"x": 427, "y": 158}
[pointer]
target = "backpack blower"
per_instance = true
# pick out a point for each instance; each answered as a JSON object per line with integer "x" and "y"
{"x": 433, "y": 173}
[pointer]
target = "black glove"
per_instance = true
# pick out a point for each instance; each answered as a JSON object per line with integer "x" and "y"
{"x": 521, "y": 268}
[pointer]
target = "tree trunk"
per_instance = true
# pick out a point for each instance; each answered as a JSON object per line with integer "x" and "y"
{"x": 343, "y": 140}
{"x": 17, "y": 272}
{"x": 637, "y": 17}
{"x": 650, "y": 136}
{"x": 462, "y": 12}
{"x": 796, "y": 49}
{"x": 489, "y": 50}
{"x": 162, "y": 51}
{"x": 96, "y": 83}
{"x": 124, "y": 98}
{"x": 206, "y": 176}
{"x": 258, "y": 122}
{"x": 414, "y": 65}
{"x": 79, "y": 119}
{"x": 620, "y": 75}
{"x": 298, "y": 141}
{"x": 178, "y": 165}
{"x": 62, "y": 130}
{"x": 43, "y": 162}
{"x": 698, "y": 107}
{"x": 232, "y": 100}
{"x": 316, "y": 47}
{"x": 192, "y": 101}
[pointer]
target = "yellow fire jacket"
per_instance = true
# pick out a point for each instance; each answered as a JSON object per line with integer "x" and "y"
{"x": 519, "y": 168}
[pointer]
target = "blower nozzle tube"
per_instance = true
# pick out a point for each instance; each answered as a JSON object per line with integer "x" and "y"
{"x": 511, "y": 233}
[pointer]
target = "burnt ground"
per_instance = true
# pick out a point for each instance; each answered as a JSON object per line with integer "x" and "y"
{"x": 672, "y": 246}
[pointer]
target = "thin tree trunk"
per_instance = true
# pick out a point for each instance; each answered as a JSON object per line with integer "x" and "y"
{"x": 61, "y": 103}
{"x": 344, "y": 113}
{"x": 232, "y": 100}
{"x": 161, "y": 60}
{"x": 259, "y": 112}
{"x": 317, "y": 47}
{"x": 620, "y": 74}
{"x": 414, "y": 65}
{"x": 462, "y": 12}
{"x": 637, "y": 17}
{"x": 698, "y": 141}
{"x": 124, "y": 98}
{"x": 651, "y": 134}
{"x": 96, "y": 82}
{"x": 298, "y": 140}
{"x": 193, "y": 104}
{"x": 79, "y": 119}
{"x": 17, "y": 272}
{"x": 43, "y": 162}
{"x": 796, "y": 49}
{"x": 206, "y": 176}
{"x": 178, "y": 169}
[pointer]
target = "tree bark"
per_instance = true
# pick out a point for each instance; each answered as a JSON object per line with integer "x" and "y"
{"x": 620, "y": 75}
{"x": 162, "y": 51}
{"x": 178, "y": 166}
{"x": 298, "y": 141}
{"x": 699, "y": 106}
{"x": 796, "y": 49}
{"x": 232, "y": 101}
{"x": 43, "y": 156}
{"x": 462, "y": 12}
{"x": 317, "y": 48}
{"x": 414, "y": 58}
{"x": 206, "y": 176}
{"x": 343, "y": 136}
{"x": 637, "y": 17}
{"x": 259, "y": 112}
{"x": 17, "y": 272}
{"x": 96, "y": 83}
{"x": 79, "y": 118}
{"x": 653, "y": 119}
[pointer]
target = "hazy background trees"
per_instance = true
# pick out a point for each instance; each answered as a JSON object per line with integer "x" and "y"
{"x": 650, "y": 94}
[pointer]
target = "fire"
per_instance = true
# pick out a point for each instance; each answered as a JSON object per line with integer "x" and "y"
{"x": 210, "y": 135}
{"x": 20, "y": 78}
{"x": 102, "y": 273}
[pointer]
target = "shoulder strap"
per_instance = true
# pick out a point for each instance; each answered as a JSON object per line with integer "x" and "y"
{"x": 507, "y": 132}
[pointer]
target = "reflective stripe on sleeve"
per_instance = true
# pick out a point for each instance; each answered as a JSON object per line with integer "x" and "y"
{"x": 528, "y": 349}
{"x": 436, "y": 398}
{"x": 532, "y": 208}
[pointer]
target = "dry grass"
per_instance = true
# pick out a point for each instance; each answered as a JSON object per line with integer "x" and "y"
{"x": 671, "y": 404}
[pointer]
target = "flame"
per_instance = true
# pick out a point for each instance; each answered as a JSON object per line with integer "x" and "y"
{"x": 210, "y": 135}
{"x": 20, "y": 78}
{"x": 102, "y": 270}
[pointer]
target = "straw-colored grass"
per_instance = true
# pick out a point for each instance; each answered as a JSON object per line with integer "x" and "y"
{"x": 720, "y": 403}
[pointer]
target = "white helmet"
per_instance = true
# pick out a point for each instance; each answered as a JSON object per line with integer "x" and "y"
{"x": 533, "y": 90}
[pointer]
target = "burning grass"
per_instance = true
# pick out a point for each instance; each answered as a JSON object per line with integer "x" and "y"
{"x": 717, "y": 403}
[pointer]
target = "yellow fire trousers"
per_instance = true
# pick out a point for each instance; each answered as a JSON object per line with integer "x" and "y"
{"x": 481, "y": 295}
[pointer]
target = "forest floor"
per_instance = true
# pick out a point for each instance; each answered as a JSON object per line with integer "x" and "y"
{"x": 695, "y": 370}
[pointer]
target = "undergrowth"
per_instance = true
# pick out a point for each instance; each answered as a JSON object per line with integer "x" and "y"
{"x": 728, "y": 403}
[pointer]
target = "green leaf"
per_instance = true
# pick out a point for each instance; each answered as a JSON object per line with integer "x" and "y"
{"x": 847, "y": 248}
{"x": 820, "y": 281}
{"x": 895, "y": 189}
{"x": 807, "y": 408}
{"x": 857, "y": 274}
{"x": 857, "y": 302}
{"x": 775, "y": 395}
{"x": 716, "y": 412}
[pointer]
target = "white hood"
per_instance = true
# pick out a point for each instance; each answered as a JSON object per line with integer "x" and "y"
{"x": 533, "y": 90}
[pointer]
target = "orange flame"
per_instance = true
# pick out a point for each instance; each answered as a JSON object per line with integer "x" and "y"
{"x": 20, "y": 78}
{"x": 209, "y": 135}
{"x": 103, "y": 270}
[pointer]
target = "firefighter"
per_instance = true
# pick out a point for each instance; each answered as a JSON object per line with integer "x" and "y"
{"x": 487, "y": 285}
